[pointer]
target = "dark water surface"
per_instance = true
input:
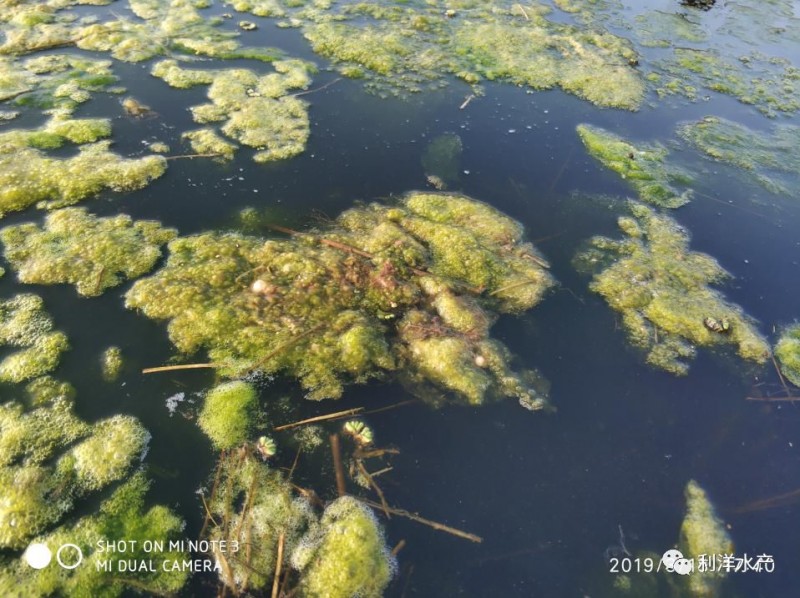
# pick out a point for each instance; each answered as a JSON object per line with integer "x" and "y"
{"x": 547, "y": 492}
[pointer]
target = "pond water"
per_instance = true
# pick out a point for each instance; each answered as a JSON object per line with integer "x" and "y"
{"x": 549, "y": 493}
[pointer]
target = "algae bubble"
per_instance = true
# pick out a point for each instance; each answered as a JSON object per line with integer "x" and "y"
{"x": 663, "y": 292}
{"x": 411, "y": 288}
{"x": 76, "y": 247}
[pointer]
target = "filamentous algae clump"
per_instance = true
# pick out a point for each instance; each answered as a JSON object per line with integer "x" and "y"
{"x": 122, "y": 517}
{"x": 111, "y": 363}
{"x": 79, "y": 248}
{"x": 227, "y": 414}
{"x": 788, "y": 353}
{"x": 24, "y": 325}
{"x": 664, "y": 295}
{"x": 642, "y": 167}
{"x": 703, "y": 533}
{"x": 413, "y": 287}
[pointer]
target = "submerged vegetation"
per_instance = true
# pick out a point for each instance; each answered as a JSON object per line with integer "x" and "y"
{"x": 759, "y": 154}
{"x": 643, "y": 167}
{"x": 413, "y": 287}
{"x": 663, "y": 292}
{"x": 76, "y": 247}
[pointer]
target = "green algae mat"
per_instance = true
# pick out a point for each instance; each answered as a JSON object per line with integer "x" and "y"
{"x": 304, "y": 298}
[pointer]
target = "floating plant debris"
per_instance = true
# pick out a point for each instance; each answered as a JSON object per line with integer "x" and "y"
{"x": 642, "y": 167}
{"x": 257, "y": 110}
{"x": 78, "y": 248}
{"x": 663, "y": 292}
{"x": 703, "y": 533}
{"x": 24, "y": 325}
{"x": 413, "y": 287}
{"x": 759, "y": 154}
{"x": 227, "y": 414}
{"x": 29, "y": 176}
{"x": 788, "y": 353}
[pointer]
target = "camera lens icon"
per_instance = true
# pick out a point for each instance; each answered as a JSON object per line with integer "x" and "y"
{"x": 38, "y": 555}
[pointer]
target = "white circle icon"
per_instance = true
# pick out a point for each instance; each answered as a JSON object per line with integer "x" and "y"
{"x": 70, "y": 565}
{"x": 37, "y": 555}
{"x": 669, "y": 558}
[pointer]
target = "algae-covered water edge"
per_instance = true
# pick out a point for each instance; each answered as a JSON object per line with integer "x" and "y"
{"x": 337, "y": 299}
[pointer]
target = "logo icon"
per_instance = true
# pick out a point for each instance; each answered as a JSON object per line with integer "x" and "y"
{"x": 69, "y": 564}
{"x": 673, "y": 561}
{"x": 37, "y": 555}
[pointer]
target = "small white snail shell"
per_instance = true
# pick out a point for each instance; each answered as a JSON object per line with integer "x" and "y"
{"x": 259, "y": 286}
{"x": 480, "y": 361}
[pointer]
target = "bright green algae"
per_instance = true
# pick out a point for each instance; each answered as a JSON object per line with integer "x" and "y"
{"x": 663, "y": 292}
{"x": 413, "y": 287}
{"x": 29, "y": 176}
{"x": 78, "y": 248}
{"x": 121, "y": 517}
{"x": 761, "y": 155}
{"x": 111, "y": 363}
{"x": 256, "y": 110}
{"x": 788, "y": 353}
{"x": 227, "y": 414}
{"x": 407, "y": 47}
{"x": 643, "y": 167}
{"x": 24, "y": 325}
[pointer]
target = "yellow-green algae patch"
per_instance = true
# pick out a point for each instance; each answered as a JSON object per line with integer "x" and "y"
{"x": 414, "y": 286}
{"x": 345, "y": 555}
{"x": 30, "y": 176}
{"x": 227, "y": 414}
{"x": 24, "y": 325}
{"x": 122, "y": 517}
{"x": 256, "y": 110}
{"x": 759, "y": 154}
{"x": 253, "y": 505}
{"x": 43, "y": 474}
{"x": 703, "y": 533}
{"x": 788, "y": 353}
{"x": 45, "y": 389}
{"x": 406, "y": 47}
{"x": 78, "y": 248}
{"x": 111, "y": 363}
{"x": 642, "y": 167}
{"x": 55, "y": 82}
{"x": 663, "y": 292}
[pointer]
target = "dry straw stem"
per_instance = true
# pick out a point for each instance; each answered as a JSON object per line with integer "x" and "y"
{"x": 437, "y": 526}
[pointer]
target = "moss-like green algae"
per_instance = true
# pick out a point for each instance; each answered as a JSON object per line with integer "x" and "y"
{"x": 788, "y": 353}
{"x": 76, "y": 247}
{"x": 413, "y": 286}
{"x": 663, "y": 292}
{"x": 30, "y": 176}
{"x": 111, "y": 363}
{"x": 759, "y": 154}
{"x": 643, "y": 167}
{"x": 227, "y": 414}
{"x": 24, "y": 325}
{"x": 257, "y": 110}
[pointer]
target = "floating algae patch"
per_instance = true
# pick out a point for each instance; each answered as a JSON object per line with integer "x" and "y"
{"x": 442, "y": 158}
{"x": 788, "y": 353}
{"x": 24, "y": 325}
{"x": 111, "y": 363}
{"x": 408, "y": 47}
{"x": 78, "y": 248}
{"x": 122, "y": 517}
{"x": 55, "y": 82}
{"x": 643, "y": 167}
{"x": 703, "y": 533}
{"x": 252, "y": 506}
{"x": 43, "y": 471}
{"x": 345, "y": 555}
{"x": 227, "y": 414}
{"x": 664, "y": 295}
{"x": 759, "y": 154}
{"x": 30, "y": 176}
{"x": 770, "y": 84}
{"x": 414, "y": 286}
{"x": 45, "y": 389}
{"x": 166, "y": 28}
{"x": 257, "y": 110}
